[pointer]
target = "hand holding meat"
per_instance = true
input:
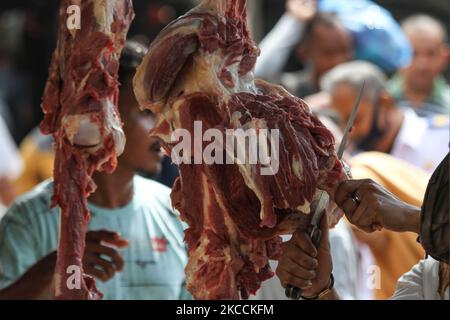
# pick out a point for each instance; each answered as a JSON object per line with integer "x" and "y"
{"x": 304, "y": 266}
{"x": 96, "y": 247}
{"x": 371, "y": 207}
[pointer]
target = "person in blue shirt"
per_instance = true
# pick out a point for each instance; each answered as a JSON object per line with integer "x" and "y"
{"x": 134, "y": 245}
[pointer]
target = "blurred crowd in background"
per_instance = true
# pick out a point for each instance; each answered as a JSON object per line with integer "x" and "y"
{"x": 321, "y": 51}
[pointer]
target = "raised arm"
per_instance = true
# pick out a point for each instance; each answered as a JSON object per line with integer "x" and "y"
{"x": 278, "y": 45}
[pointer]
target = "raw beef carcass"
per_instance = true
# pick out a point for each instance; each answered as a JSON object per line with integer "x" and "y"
{"x": 80, "y": 106}
{"x": 200, "y": 68}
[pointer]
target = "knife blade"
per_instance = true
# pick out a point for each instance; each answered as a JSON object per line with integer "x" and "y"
{"x": 350, "y": 123}
{"x": 314, "y": 228}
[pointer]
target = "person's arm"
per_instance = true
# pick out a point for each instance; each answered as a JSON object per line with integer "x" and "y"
{"x": 279, "y": 43}
{"x": 35, "y": 283}
{"x": 19, "y": 253}
{"x": 371, "y": 207}
{"x": 304, "y": 266}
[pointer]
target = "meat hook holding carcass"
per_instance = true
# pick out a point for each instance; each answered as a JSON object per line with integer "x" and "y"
{"x": 80, "y": 107}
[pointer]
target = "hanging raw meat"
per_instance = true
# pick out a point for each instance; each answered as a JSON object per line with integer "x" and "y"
{"x": 80, "y": 106}
{"x": 200, "y": 68}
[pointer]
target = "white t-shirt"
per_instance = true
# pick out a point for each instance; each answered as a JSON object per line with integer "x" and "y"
{"x": 421, "y": 283}
{"x": 11, "y": 164}
{"x": 154, "y": 260}
{"x": 423, "y": 142}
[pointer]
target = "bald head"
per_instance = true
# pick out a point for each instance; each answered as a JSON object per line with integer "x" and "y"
{"x": 428, "y": 38}
{"x": 424, "y": 25}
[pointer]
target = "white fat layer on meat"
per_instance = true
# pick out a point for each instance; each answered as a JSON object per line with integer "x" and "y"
{"x": 246, "y": 169}
{"x": 215, "y": 62}
{"x": 72, "y": 125}
{"x": 305, "y": 208}
{"x": 232, "y": 230}
{"x": 87, "y": 133}
{"x": 241, "y": 83}
{"x": 171, "y": 115}
{"x": 81, "y": 86}
{"x": 297, "y": 168}
{"x": 200, "y": 76}
{"x": 104, "y": 14}
{"x": 84, "y": 129}
{"x": 114, "y": 126}
{"x": 206, "y": 199}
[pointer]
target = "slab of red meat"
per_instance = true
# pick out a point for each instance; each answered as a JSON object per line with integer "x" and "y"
{"x": 80, "y": 106}
{"x": 200, "y": 68}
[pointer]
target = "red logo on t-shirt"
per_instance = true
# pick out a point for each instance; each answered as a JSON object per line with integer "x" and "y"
{"x": 159, "y": 244}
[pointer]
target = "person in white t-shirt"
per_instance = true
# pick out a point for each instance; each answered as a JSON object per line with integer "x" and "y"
{"x": 10, "y": 165}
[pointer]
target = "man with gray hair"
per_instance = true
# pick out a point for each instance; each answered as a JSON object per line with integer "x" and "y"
{"x": 422, "y": 85}
{"x": 380, "y": 125}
